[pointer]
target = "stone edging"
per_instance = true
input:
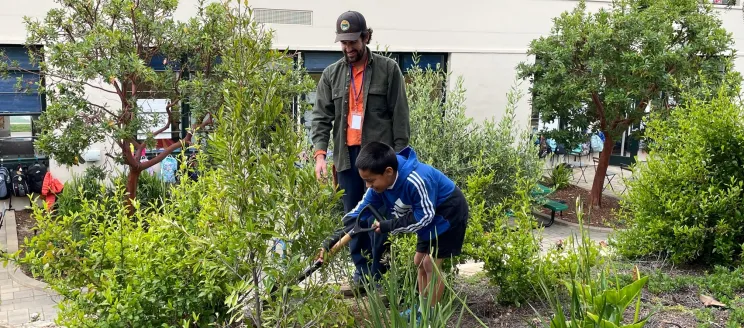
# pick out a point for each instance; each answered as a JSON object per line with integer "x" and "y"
{"x": 11, "y": 237}
{"x": 572, "y": 224}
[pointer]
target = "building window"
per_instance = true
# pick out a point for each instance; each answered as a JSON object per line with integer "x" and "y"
{"x": 153, "y": 102}
{"x": 20, "y": 105}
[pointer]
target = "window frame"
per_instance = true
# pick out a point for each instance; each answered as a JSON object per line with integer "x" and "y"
{"x": 23, "y": 159}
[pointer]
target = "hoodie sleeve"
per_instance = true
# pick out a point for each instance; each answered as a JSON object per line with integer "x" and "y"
{"x": 423, "y": 211}
{"x": 370, "y": 197}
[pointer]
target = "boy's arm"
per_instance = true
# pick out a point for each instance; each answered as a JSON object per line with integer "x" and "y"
{"x": 370, "y": 197}
{"x": 423, "y": 211}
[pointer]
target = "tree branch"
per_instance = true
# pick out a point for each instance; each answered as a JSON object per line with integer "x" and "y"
{"x": 167, "y": 125}
{"x": 185, "y": 141}
{"x": 128, "y": 158}
{"x": 23, "y": 70}
{"x": 600, "y": 110}
{"x": 137, "y": 42}
{"x": 101, "y": 107}
{"x": 617, "y": 123}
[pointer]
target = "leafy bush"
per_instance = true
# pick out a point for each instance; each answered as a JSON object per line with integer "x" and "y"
{"x": 208, "y": 257}
{"x": 594, "y": 300}
{"x": 79, "y": 188}
{"x": 722, "y": 283}
{"x": 560, "y": 176}
{"x": 445, "y": 137}
{"x": 152, "y": 191}
{"x": 686, "y": 202}
{"x": 495, "y": 165}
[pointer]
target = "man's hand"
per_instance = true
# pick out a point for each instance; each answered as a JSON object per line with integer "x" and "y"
{"x": 321, "y": 167}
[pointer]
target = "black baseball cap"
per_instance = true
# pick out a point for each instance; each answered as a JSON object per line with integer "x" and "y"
{"x": 349, "y": 26}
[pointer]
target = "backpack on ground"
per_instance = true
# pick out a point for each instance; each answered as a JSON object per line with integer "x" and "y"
{"x": 19, "y": 184}
{"x": 5, "y": 187}
{"x": 35, "y": 175}
{"x": 168, "y": 168}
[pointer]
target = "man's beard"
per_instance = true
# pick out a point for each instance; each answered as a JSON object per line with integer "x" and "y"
{"x": 359, "y": 56}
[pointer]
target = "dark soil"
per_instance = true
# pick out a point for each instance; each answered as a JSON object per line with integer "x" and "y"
{"x": 481, "y": 300}
{"x": 602, "y": 217}
{"x": 25, "y": 223}
{"x": 681, "y": 308}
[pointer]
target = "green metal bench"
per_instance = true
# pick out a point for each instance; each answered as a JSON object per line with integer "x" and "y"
{"x": 554, "y": 206}
{"x": 539, "y": 195}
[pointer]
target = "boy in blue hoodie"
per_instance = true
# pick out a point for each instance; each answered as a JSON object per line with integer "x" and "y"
{"x": 421, "y": 199}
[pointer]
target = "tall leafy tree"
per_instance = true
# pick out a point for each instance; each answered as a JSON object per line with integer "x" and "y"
{"x": 601, "y": 70}
{"x": 126, "y": 51}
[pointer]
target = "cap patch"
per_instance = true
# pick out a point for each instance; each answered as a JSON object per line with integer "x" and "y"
{"x": 344, "y": 25}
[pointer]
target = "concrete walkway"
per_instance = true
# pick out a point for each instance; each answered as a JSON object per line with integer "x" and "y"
{"x": 22, "y": 300}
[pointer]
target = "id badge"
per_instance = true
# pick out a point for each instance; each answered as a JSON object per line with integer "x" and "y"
{"x": 356, "y": 121}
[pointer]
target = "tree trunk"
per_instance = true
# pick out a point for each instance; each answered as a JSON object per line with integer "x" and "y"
{"x": 132, "y": 178}
{"x": 601, "y": 172}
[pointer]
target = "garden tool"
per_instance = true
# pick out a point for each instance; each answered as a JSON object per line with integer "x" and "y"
{"x": 337, "y": 241}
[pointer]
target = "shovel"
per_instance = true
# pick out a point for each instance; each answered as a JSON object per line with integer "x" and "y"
{"x": 335, "y": 246}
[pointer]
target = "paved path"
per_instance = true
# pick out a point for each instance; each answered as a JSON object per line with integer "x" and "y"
{"x": 22, "y": 299}
{"x": 551, "y": 235}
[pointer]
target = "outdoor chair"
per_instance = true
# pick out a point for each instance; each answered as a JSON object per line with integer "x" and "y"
{"x": 631, "y": 177}
{"x": 608, "y": 175}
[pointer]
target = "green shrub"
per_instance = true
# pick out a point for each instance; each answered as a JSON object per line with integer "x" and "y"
{"x": 495, "y": 165}
{"x": 152, "y": 191}
{"x": 722, "y": 283}
{"x": 508, "y": 242}
{"x": 399, "y": 292}
{"x": 445, "y": 137}
{"x": 736, "y": 316}
{"x": 560, "y": 177}
{"x": 686, "y": 202}
{"x": 207, "y": 257}
{"x": 79, "y": 188}
{"x": 593, "y": 298}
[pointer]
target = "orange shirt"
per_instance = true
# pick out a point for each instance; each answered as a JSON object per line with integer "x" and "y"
{"x": 356, "y": 107}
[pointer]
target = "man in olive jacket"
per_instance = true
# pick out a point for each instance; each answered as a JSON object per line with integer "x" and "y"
{"x": 361, "y": 98}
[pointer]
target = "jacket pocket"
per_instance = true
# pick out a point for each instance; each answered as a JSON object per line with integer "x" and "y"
{"x": 337, "y": 98}
{"x": 377, "y": 101}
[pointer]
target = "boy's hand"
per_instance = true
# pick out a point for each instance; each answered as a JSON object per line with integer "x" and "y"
{"x": 320, "y": 254}
{"x": 376, "y": 225}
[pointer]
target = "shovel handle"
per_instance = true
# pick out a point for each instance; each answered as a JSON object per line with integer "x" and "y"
{"x": 341, "y": 243}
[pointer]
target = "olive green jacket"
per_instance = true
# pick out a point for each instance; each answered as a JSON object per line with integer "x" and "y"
{"x": 385, "y": 117}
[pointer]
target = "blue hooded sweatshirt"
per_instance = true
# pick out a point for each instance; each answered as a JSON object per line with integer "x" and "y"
{"x": 412, "y": 200}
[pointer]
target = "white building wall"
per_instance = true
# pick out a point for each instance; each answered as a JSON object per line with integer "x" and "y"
{"x": 485, "y": 40}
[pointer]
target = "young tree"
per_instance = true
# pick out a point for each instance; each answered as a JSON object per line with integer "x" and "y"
{"x": 603, "y": 70}
{"x": 127, "y": 51}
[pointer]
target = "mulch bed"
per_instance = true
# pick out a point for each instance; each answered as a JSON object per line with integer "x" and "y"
{"x": 25, "y": 223}
{"x": 671, "y": 309}
{"x": 602, "y": 217}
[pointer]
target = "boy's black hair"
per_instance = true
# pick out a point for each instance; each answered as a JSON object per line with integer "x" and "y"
{"x": 376, "y": 157}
